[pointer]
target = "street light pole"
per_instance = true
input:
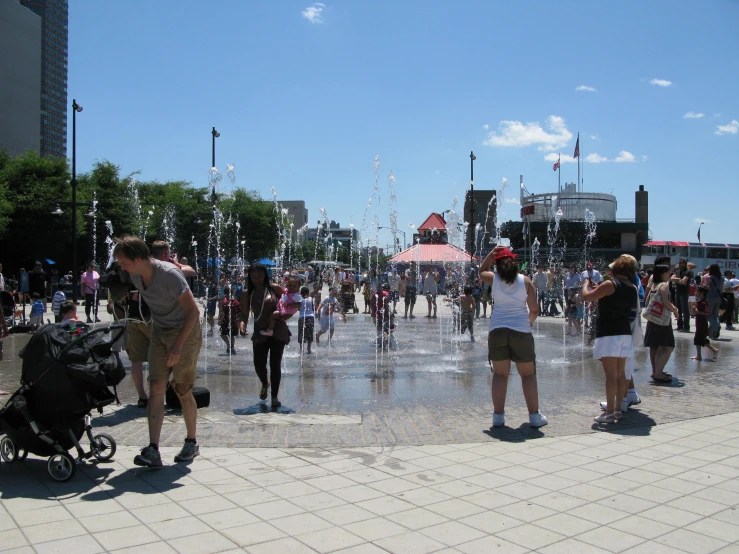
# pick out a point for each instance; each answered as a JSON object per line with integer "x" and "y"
{"x": 75, "y": 108}
{"x": 472, "y": 203}
{"x": 215, "y": 135}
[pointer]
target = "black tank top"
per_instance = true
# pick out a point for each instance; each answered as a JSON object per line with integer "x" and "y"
{"x": 614, "y": 311}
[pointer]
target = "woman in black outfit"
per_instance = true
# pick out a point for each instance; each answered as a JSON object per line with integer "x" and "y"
{"x": 261, "y": 299}
{"x": 613, "y": 343}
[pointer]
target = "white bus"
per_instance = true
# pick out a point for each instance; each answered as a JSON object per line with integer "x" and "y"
{"x": 702, "y": 254}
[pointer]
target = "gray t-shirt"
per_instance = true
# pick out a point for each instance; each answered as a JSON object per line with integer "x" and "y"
{"x": 166, "y": 286}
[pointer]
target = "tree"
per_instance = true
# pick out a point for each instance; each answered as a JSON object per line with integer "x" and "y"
{"x": 31, "y": 187}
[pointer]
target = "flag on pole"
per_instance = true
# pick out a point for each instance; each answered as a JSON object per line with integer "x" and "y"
{"x": 555, "y": 167}
{"x": 699, "y": 233}
{"x": 577, "y": 148}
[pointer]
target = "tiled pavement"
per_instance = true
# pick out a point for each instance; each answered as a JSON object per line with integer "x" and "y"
{"x": 667, "y": 488}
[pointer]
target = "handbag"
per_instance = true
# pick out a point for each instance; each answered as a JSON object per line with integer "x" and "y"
{"x": 656, "y": 312}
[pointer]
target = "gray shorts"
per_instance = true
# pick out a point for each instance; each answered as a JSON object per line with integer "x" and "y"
{"x": 507, "y": 344}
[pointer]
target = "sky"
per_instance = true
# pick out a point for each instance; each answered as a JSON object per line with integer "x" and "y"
{"x": 306, "y": 95}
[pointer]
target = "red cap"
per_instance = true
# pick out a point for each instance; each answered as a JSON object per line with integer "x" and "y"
{"x": 504, "y": 253}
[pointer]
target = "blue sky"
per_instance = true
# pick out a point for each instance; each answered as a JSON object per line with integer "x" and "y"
{"x": 305, "y": 95}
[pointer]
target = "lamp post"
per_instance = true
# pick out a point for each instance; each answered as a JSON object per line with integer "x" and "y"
{"x": 215, "y": 134}
{"x": 472, "y": 204}
{"x": 397, "y": 231}
{"x": 75, "y": 108}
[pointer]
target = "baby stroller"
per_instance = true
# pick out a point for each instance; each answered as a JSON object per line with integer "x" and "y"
{"x": 66, "y": 372}
{"x": 8, "y": 304}
{"x": 347, "y": 298}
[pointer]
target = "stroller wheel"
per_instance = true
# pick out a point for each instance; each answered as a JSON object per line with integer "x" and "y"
{"x": 61, "y": 467}
{"x": 8, "y": 450}
{"x": 23, "y": 454}
{"x": 103, "y": 447}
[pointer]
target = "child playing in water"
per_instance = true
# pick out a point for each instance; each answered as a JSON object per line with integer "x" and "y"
{"x": 468, "y": 304}
{"x": 288, "y": 304}
{"x": 367, "y": 294}
{"x": 701, "y": 325}
{"x": 326, "y": 311}
{"x": 306, "y": 321}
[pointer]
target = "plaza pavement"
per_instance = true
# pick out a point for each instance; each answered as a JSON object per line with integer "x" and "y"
{"x": 666, "y": 489}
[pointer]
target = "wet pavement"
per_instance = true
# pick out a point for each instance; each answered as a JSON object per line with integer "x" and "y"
{"x": 433, "y": 387}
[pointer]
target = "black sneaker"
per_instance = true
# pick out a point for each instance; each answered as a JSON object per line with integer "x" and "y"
{"x": 188, "y": 452}
{"x": 149, "y": 457}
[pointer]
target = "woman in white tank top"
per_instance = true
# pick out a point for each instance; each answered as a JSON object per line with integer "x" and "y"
{"x": 510, "y": 338}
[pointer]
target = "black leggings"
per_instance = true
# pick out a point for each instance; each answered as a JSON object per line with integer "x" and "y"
{"x": 273, "y": 349}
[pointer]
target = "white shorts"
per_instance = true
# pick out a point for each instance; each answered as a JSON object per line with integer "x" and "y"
{"x": 327, "y": 322}
{"x": 620, "y": 346}
{"x": 692, "y": 299}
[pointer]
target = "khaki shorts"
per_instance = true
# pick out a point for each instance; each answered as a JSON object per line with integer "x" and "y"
{"x": 139, "y": 339}
{"x": 184, "y": 371}
{"x": 507, "y": 344}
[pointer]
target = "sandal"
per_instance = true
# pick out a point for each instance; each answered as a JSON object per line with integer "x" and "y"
{"x": 263, "y": 392}
{"x": 142, "y": 403}
{"x": 666, "y": 379}
{"x": 605, "y": 418}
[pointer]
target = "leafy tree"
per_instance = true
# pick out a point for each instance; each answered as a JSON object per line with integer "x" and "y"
{"x": 31, "y": 188}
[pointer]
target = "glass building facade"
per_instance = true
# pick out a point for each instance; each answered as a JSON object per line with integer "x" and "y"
{"x": 54, "y": 39}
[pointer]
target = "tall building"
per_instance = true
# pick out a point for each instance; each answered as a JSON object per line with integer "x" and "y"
{"x": 54, "y": 16}
{"x": 20, "y": 71}
{"x": 297, "y": 211}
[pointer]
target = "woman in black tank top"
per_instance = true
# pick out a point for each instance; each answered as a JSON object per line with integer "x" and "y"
{"x": 613, "y": 344}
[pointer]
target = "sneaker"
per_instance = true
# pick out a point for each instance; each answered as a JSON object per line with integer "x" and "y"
{"x": 188, "y": 452}
{"x": 537, "y": 420}
{"x": 605, "y": 418}
{"x": 624, "y": 406}
{"x": 633, "y": 398}
{"x": 149, "y": 457}
{"x": 472, "y": 338}
{"x": 498, "y": 419}
{"x": 276, "y": 403}
{"x": 729, "y": 327}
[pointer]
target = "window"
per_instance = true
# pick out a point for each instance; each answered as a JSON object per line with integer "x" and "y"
{"x": 716, "y": 253}
{"x": 734, "y": 254}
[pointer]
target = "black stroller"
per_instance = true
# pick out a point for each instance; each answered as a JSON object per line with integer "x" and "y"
{"x": 66, "y": 372}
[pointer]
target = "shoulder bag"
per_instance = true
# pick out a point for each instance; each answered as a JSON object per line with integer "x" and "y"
{"x": 656, "y": 312}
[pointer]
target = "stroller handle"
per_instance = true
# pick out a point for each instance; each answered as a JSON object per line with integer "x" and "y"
{"x": 113, "y": 327}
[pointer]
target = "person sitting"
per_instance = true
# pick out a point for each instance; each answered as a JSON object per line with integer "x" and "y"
{"x": 288, "y": 304}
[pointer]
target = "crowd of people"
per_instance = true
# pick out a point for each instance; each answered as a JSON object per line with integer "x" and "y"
{"x": 163, "y": 319}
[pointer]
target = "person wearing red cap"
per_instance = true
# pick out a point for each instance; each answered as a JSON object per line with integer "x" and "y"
{"x": 510, "y": 338}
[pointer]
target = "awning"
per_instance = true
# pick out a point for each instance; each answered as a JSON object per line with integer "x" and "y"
{"x": 432, "y": 253}
{"x": 675, "y": 243}
{"x": 655, "y": 243}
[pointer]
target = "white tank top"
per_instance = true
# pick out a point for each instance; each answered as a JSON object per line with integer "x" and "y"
{"x": 509, "y": 305}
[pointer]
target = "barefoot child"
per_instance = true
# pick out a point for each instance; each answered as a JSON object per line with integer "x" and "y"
{"x": 306, "y": 321}
{"x": 288, "y": 304}
{"x": 468, "y": 304}
{"x": 701, "y": 325}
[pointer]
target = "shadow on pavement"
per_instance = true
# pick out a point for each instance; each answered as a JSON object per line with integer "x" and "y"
{"x": 635, "y": 424}
{"x": 508, "y": 434}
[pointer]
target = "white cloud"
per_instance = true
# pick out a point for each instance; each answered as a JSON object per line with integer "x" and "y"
{"x": 596, "y": 158}
{"x": 693, "y": 115}
{"x": 595, "y": 136}
{"x": 644, "y": 158}
{"x": 661, "y": 82}
{"x": 625, "y": 157}
{"x": 314, "y": 13}
{"x": 566, "y": 159}
{"x": 515, "y": 133}
{"x": 486, "y": 126}
{"x": 731, "y": 128}
{"x": 511, "y": 201}
{"x": 585, "y": 88}
{"x": 701, "y": 220}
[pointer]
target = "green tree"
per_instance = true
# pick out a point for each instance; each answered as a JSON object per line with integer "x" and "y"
{"x": 31, "y": 187}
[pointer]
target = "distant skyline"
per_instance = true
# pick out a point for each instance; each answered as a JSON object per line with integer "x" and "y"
{"x": 306, "y": 94}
